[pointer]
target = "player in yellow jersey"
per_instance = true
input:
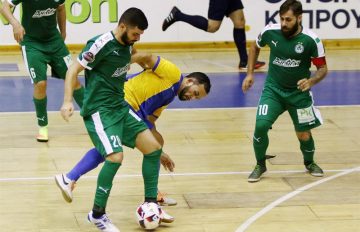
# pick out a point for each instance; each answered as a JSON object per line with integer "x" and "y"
{"x": 148, "y": 94}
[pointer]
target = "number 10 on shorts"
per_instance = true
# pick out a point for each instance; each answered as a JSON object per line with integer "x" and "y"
{"x": 263, "y": 109}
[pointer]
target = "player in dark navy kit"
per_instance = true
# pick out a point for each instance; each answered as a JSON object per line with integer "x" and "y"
{"x": 217, "y": 10}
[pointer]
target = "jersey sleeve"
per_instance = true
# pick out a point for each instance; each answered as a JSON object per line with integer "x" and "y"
{"x": 158, "y": 112}
{"x": 262, "y": 38}
{"x": 14, "y": 2}
{"x": 94, "y": 51}
{"x": 318, "y": 49}
{"x": 167, "y": 70}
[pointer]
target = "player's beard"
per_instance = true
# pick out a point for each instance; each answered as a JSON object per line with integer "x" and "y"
{"x": 290, "y": 32}
{"x": 182, "y": 93}
{"x": 125, "y": 39}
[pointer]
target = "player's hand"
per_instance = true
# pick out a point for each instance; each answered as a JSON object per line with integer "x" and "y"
{"x": 167, "y": 162}
{"x": 247, "y": 83}
{"x": 19, "y": 32}
{"x": 304, "y": 84}
{"x": 67, "y": 110}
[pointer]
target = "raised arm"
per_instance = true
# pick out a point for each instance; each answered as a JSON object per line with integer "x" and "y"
{"x": 67, "y": 108}
{"x": 61, "y": 20}
{"x": 18, "y": 30}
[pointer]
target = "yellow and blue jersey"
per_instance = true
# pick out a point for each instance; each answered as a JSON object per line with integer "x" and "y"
{"x": 151, "y": 91}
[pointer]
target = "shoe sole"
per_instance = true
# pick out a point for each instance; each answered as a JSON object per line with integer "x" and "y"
{"x": 256, "y": 180}
{"x": 317, "y": 174}
{"x": 65, "y": 196}
{"x": 42, "y": 140}
{"x": 166, "y": 204}
{"x": 168, "y": 220}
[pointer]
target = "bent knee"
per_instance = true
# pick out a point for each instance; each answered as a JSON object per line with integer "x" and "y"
{"x": 115, "y": 157}
{"x": 213, "y": 26}
{"x": 262, "y": 126}
{"x": 303, "y": 136}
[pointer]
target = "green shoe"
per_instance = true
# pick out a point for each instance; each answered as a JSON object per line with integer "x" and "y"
{"x": 256, "y": 174}
{"x": 315, "y": 170}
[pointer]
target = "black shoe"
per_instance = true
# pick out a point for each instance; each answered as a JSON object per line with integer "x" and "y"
{"x": 170, "y": 19}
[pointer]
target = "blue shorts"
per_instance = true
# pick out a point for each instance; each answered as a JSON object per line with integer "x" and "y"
{"x": 220, "y": 8}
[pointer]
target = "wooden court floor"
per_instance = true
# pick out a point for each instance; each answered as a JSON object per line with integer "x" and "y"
{"x": 213, "y": 152}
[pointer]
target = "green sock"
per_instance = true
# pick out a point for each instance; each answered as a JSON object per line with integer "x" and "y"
{"x": 308, "y": 149}
{"x": 79, "y": 96}
{"x": 41, "y": 113}
{"x": 261, "y": 140}
{"x": 150, "y": 172}
{"x": 104, "y": 183}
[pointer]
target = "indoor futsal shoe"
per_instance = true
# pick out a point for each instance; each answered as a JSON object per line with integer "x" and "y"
{"x": 163, "y": 200}
{"x": 43, "y": 134}
{"x": 64, "y": 185}
{"x": 315, "y": 170}
{"x": 257, "y": 173}
{"x": 103, "y": 223}
{"x": 170, "y": 19}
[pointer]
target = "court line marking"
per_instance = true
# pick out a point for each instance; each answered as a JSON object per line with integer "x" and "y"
{"x": 6, "y": 179}
{"x": 286, "y": 197}
{"x": 185, "y": 109}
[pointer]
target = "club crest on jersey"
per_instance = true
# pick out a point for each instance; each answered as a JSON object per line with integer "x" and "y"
{"x": 88, "y": 56}
{"x": 299, "y": 48}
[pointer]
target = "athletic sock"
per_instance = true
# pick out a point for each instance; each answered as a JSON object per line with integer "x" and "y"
{"x": 194, "y": 20}
{"x": 308, "y": 149}
{"x": 41, "y": 113}
{"x": 240, "y": 41}
{"x": 104, "y": 183}
{"x": 150, "y": 172}
{"x": 90, "y": 160}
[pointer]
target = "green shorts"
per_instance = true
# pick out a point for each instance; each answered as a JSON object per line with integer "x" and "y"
{"x": 38, "y": 55}
{"x": 109, "y": 139}
{"x": 274, "y": 101}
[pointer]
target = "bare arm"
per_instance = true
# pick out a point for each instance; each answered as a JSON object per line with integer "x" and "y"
{"x": 61, "y": 20}
{"x": 145, "y": 60}
{"x": 165, "y": 159}
{"x": 18, "y": 29}
{"x": 305, "y": 84}
{"x": 71, "y": 79}
{"x": 253, "y": 56}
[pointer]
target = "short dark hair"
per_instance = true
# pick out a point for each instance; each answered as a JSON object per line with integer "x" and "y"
{"x": 134, "y": 17}
{"x": 293, "y": 5}
{"x": 201, "y": 78}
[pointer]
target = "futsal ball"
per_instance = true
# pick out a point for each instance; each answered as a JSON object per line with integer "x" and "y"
{"x": 148, "y": 215}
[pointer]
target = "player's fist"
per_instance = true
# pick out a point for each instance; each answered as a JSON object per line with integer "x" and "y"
{"x": 67, "y": 110}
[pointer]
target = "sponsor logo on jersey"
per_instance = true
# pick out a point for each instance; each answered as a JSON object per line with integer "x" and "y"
{"x": 288, "y": 63}
{"x": 120, "y": 71}
{"x": 88, "y": 56}
{"x": 299, "y": 48}
{"x": 43, "y": 13}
